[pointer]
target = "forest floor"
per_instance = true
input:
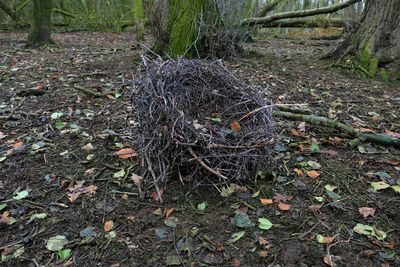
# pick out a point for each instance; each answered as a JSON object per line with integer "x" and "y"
{"x": 321, "y": 203}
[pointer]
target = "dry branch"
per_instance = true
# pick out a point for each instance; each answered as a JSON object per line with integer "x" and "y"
{"x": 298, "y": 14}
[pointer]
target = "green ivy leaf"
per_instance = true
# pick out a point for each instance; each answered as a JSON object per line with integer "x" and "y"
{"x": 64, "y": 253}
{"x": 236, "y": 236}
{"x": 379, "y": 185}
{"x": 56, "y": 243}
{"x": 21, "y": 195}
{"x": 264, "y": 224}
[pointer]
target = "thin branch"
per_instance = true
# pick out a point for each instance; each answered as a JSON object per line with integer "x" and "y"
{"x": 269, "y": 7}
{"x": 205, "y": 166}
{"x": 298, "y": 14}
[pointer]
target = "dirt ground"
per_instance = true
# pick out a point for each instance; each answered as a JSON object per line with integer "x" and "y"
{"x": 321, "y": 203}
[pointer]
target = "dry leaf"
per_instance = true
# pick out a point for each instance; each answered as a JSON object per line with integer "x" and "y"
{"x": 108, "y": 226}
{"x": 88, "y": 147}
{"x": 266, "y": 201}
{"x": 169, "y": 212}
{"x": 235, "y": 126}
{"x": 2, "y": 135}
{"x": 366, "y": 211}
{"x": 298, "y": 172}
{"x": 5, "y": 217}
{"x": 393, "y": 162}
{"x": 18, "y": 144}
{"x": 262, "y": 241}
{"x": 284, "y": 206}
{"x": 263, "y": 253}
{"x": 282, "y": 198}
{"x": 328, "y": 239}
{"x": 126, "y": 153}
{"x": 313, "y": 174}
{"x": 294, "y": 132}
{"x": 366, "y": 130}
{"x": 327, "y": 260}
{"x": 302, "y": 126}
{"x": 155, "y": 195}
{"x": 78, "y": 190}
{"x": 235, "y": 262}
{"x": 124, "y": 197}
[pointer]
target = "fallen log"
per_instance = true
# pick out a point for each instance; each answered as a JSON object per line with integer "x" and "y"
{"x": 311, "y": 23}
{"x": 344, "y": 128}
{"x": 298, "y": 14}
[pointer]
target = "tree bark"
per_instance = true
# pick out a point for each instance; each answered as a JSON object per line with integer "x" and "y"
{"x": 40, "y": 30}
{"x": 378, "y": 33}
{"x": 298, "y": 14}
{"x": 188, "y": 25}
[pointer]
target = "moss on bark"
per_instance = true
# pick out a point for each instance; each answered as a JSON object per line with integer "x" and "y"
{"x": 139, "y": 20}
{"x": 40, "y": 30}
{"x": 183, "y": 25}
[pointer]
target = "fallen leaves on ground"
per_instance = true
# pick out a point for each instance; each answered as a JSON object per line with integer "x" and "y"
{"x": 78, "y": 190}
{"x": 126, "y": 153}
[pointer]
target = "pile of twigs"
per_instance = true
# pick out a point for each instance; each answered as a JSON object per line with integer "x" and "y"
{"x": 196, "y": 120}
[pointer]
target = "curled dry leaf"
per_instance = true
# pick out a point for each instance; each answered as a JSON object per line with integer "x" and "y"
{"x": 169, "y": 212}
{"x": 108, "y": 226}
{"x": 328, "y": 260}
{"x": 366, "y": 211}
{"x": 126, "y": 153}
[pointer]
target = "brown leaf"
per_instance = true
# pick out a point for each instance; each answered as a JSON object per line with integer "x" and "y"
{"x": 262, "y": 241}
{"x": 294, "y": 132}
{"x": 5, "y": 217}
{"x": 108, "y": 226}
{"x": 282, "y": 198}
{"x": 126, "y": 153}
{"x": 18, "y": 144}
{"x": 78, "y": 190}
{"x": 328, "y": 239}
{"x": 266, "y": 201}
{"x": 302, "y": 126}
{"x": 263, "y": 253}
{"x": 313, "y": 174}
{"x": 169, "y": 212}
{"x": 284, "y": 206}
{"x": 124, "y": 197}
{"x": 392, "y": 134}
{"x": 299, "y": 172}
{"x": 327, "y": 260}
{"x": 366, "y": 211}
{"x": 235, "y": 126}
{"x": 235, "y": 262}
{"x": 393, "y": 162}
{"x": 155, "y": 195}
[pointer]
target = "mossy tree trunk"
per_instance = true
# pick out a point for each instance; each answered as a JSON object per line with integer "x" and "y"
{"x": 184, "y": 22}
{"x": 378, "y": 33}
{"x": 40, "y": 30}
{"x": 139, "y": 19}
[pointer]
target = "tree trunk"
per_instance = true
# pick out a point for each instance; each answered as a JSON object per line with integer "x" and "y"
{"x": 40, "y": 30}
{"x": 139, "y": 19}
{"x": 378, "y": 33}
{"x": 192, "y": 28}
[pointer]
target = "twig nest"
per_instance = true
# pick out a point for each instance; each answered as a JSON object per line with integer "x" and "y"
{"x": 195, "y": 119}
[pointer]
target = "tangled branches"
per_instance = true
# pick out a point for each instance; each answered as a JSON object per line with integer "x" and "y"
{"x": 195, "y": 119}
